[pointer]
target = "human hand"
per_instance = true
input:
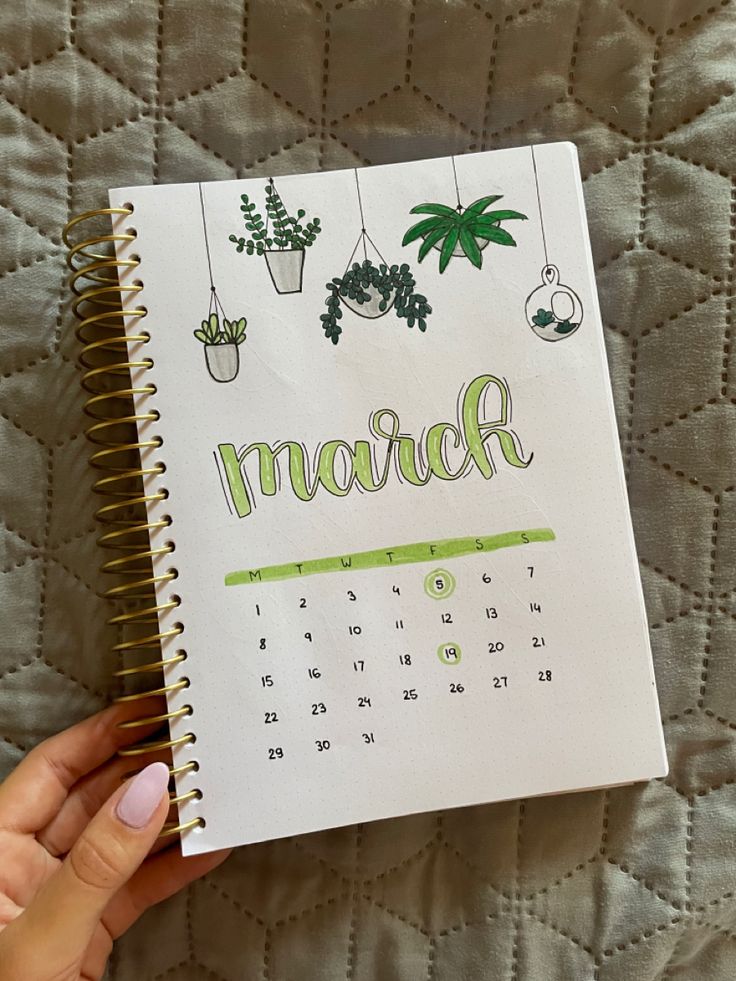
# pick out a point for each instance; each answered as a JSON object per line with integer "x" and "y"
{"x": 75, "y": 868}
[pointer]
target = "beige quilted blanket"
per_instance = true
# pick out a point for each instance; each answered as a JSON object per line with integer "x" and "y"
{"x": 634, "y": 883}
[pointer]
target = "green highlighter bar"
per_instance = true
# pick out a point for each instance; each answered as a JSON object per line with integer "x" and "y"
{"x": 447, "y": 548}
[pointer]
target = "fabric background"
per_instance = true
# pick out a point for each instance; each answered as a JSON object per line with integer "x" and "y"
{"x": 634, "y": 883}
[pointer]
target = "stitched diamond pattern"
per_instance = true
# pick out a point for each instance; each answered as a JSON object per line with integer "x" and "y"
{"x": 635, "y": 882}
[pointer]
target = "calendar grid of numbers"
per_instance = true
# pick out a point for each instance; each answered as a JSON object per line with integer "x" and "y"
{"x": 353, "y": 658}
{"x": 405, "y": 570}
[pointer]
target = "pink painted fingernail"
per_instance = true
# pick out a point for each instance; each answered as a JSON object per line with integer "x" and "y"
{"x": 142, "y": 795}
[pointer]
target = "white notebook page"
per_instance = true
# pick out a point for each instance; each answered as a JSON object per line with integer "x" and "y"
{"x": 429, "y": 596}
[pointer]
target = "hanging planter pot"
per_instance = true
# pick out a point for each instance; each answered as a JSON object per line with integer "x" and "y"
{"x": 459, "y": 251}
{"x": 223, "y": 361}
{"x": 286, "y": 267}
{"x": 376, "y": 304}
{"x": 371, "y": 290}
{"x": 460, "y": 232}
{"x": 456, "y": 232}
{"x": 221, "y": 344}
{"x": 553, "y": 310}
{"x": 281, "y": 238}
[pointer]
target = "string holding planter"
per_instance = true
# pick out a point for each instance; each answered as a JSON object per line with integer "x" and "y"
{"x": 289, "y": 234}
{"x": 460, "y": 231}
{"x": 553, "y": 310}
{"x": 221, "y": 340}
{"x": 372, "y": 287}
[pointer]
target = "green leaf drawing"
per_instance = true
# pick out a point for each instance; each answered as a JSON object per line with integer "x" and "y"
{"x": 209, "y": 332}
{"x": 472, "y": 227}
{"x": 470, "y": 247}
{"x": 232, "y": 332}
{"x": 279, "y": 228}
{"x": 424, "y": 228}
{"x": 430, "y": 240}
{"x": 362, "y": 283}
{"x": 493, "y": 234}
{"x": 542, "y": 318}
{"x": 564, "y": 327}
{"x": 433, "y": 209}
{"x": 477, "y": 207}
{"x": 493, "y": 217}
{"x": 448, "y": 247}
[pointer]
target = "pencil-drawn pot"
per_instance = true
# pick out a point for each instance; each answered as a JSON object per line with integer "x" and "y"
{"x": 371, "y": 308}
{"x": 286, "y": 267}
{"x": 223, "y": 361}
{"x": 553, "y": 310}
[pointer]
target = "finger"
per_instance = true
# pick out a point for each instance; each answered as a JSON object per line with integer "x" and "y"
{"x": 139, "y": 894}
{"x": 36, "y": 789}
{"x": 61, "y": 921}
{"x": 158, "y": 878}
{"x": 84, "y": 801}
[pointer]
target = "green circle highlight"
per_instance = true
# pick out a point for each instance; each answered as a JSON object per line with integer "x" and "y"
{"x": 446, "y": 655}
{"x": 439, "y": 584}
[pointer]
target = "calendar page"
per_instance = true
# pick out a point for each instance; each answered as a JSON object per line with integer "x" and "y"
{"x": 405, "y": 570}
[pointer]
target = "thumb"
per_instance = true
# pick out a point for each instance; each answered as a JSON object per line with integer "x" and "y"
{"x": 67, "y": 909}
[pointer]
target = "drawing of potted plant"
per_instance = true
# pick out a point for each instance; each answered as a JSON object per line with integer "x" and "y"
{"x": 221, "y": 345}
{"x": 371, "y": 290}
{"x": 460, "y": 231}
{"x": 290, "y": 236}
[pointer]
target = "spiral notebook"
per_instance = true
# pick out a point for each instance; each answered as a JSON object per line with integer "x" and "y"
{"x": 372, "y": 459}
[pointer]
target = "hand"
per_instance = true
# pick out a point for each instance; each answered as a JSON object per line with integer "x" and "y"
{"x": 75, "y": 868}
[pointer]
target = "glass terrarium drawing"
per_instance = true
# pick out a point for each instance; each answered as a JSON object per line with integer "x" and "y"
{"x": 553, "y": 310}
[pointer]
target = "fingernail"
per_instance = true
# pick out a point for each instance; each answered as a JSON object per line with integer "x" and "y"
{"x": 142, "y": 795}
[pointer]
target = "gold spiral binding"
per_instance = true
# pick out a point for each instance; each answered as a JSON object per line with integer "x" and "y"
{"x": 99, "y": 291}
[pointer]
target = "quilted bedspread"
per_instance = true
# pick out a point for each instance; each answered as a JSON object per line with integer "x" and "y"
{"x": 632, "y": 883}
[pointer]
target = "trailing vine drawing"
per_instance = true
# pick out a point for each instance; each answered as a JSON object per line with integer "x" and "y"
{"x": 372, "y": 287}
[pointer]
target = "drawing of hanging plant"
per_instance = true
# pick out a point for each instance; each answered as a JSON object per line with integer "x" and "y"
{"x": 221, "y": 344}
{"x": 553, "y": 310}
{"x": 221, "y": 341}
{"x": 372, "y": 287}
{"x": 372, "y": 290}
{"x": 290, "y": 236}
{"x": 460, "y": 231}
